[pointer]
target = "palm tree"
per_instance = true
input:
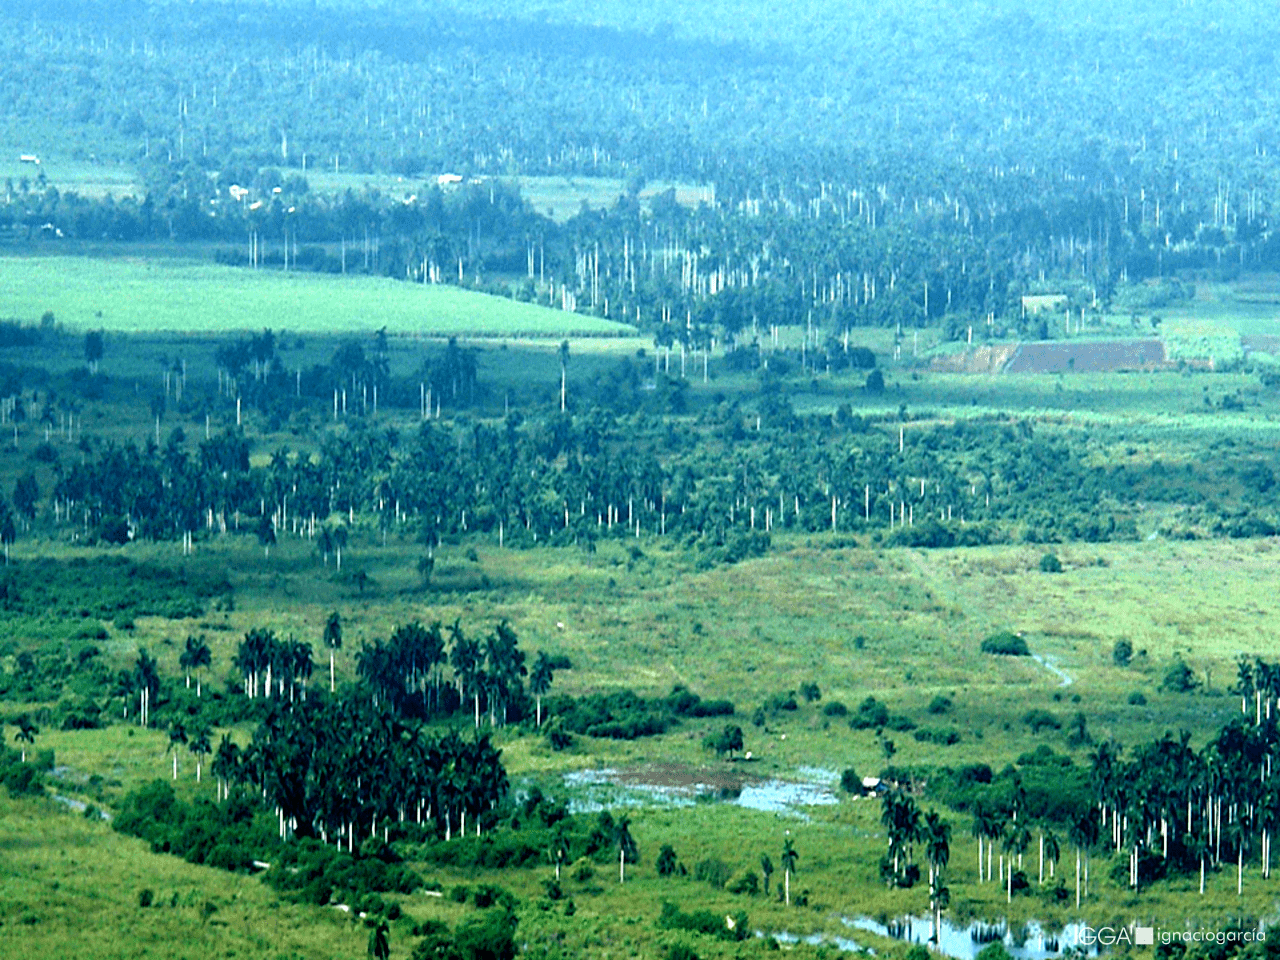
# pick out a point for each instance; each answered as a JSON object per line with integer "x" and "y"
{"x": 984, "y": 823}
{"x": 563, "y": 354}
{"x": 627, "y": 849}
{"x": 540, "y": 678}
{"x": 789, "y": 858}
{"x": 177, "y": 737}
{"x": 300, "y": 664}
{"x": 937, "y": 837}
{"x": 1017, "y": 841}
{"x": 1083, "y": 835}
{"x": 1050, "y": 850}
{"x": 147, "y": 680}
{"x": 766, "y": 868}
{"x": 559, "y": 850}
{"x": 195, "y": 656}
{"x": 26, "y": 734}
{"x": 226, "y": 765}
{"x": 199, "y": 747}
{"x": 332, "y": 640}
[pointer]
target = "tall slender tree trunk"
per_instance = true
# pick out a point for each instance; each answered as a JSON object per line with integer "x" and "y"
{"x": 331, "y": 670}
{"x": 1077, "y": 878}
{"x": 979, "y": 858}
{"x": 786, "y": 884}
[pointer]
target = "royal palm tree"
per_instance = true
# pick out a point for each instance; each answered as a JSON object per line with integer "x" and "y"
{"x": 332, "y": 640}
{"x": 563, "y": 355}
{"x": 627, "y": 849}
{"x": 766, "y": 870}
{"x": 984, "y": 825}
{"x": 1051, "y": 851}
{"x": 177, "y": 738}
{"x": 1083, "y": 835}
{"x": 26, "y": 734}
{"x": 540, "y": 678}
{"x": 199, "y": 746}
{"x": 789, "y": 860}
{"x": 226, "y": 765}
{"x": 559, "y": 850}
{"x": 937, "y": 839}
{"x": 195, "y": 656}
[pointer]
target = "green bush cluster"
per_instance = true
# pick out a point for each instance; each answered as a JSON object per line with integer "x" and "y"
{"x": 1006, "y": 644}
{"x": 710, "y": 924}
{"x": 314, "y": 872}
{"x": 625, "y": 715}
{"x": 230, "y": 835}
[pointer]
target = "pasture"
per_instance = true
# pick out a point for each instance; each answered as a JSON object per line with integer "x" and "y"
{"x": 557, "y": 197}
{"x": 184, "y": 296}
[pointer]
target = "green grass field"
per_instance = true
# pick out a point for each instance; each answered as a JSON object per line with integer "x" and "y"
{"x": 170, "y": 295}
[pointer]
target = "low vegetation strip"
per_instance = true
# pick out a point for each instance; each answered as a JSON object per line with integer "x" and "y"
{"x": 128, "y": 295}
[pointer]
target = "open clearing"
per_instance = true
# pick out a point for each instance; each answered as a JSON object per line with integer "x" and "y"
{"x": 128, "y": 295}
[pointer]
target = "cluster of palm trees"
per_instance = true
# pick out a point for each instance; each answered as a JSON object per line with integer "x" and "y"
{"x": 196, "y": 655}
{"x": 1195, "y": 808}
{"x": 272, "y": 667}
{"x": 907, "y": 826}
{"x": 1011, "y": 830}
{"x": 144, "y": 682}
{"x": 196, "y": 740}
{"x": 344, "y": 768}
{"x": 408, "y": 672}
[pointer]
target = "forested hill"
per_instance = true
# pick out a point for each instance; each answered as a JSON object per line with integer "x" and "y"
{"x": 862, "y": 156}
{"x": 1097, "y": 95}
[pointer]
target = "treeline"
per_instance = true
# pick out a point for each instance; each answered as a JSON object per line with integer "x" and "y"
{"x": 870, "y": 201}
{"x": 722, "y": 485}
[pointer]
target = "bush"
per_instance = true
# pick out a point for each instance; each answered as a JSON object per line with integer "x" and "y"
{"x": 748, "y": 882}
{"x": 850, "y": 782}
{"x": 489, "y": 936}
{"x": 1136, "y": 699}
{"x": 1039, "y": 720}
{"x": 1050, "y": 563}
{"x": 834, "y": 708}
{"x": 705, "y": 922}
{"x": 939, "y": 705}
{"x": 1122, "y": 653}
{"x": 713, "y": 871}
{"x": 681, "y": 951}
{"x": 1006, "y": 644}
{"x": 1180, "y": 679}
{"x": 944, "y": 738}
{"x": 667, "y": 863}
{"x": 871, "y": 714}
{"x": 146, "y": 897}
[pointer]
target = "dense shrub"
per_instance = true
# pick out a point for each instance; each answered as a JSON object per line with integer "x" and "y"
{"x": 1006, "y": 645}
{"x": 871, "y": 714}
{"x": 713, "y": 871}
{"x": 1039, "y": 720}
{"x": 624, "y": 715}
{"x": 704, "y": 922}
